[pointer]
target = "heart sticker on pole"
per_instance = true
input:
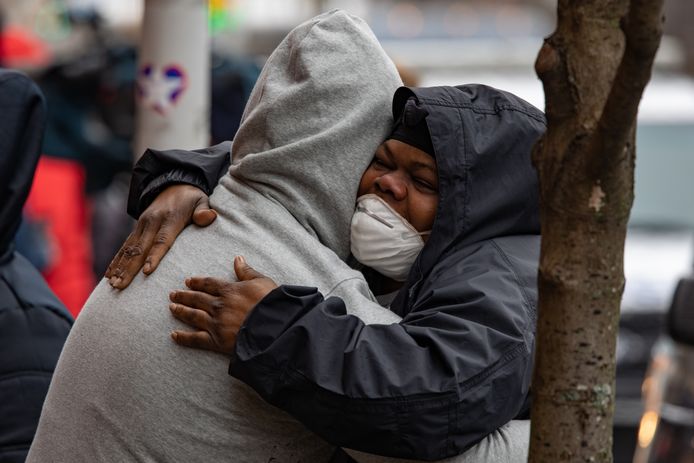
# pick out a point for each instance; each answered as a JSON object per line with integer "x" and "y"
{"x": 160, "y": 88}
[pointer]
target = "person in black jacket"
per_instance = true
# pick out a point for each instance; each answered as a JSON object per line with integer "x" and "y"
{"x": 458, "y": 365}
{"x": 33, "y": 322}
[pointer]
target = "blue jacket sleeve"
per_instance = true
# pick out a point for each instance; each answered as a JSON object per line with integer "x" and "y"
{"x": 454, "y": 369}
{"x": 156, "y": 170}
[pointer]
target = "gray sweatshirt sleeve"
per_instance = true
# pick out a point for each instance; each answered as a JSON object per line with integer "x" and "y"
{"x": 507, "y": 444}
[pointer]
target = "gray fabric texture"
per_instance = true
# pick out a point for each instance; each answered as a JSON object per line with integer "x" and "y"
{"x": 508, "y": 444}
{"x": 123, "y": 391}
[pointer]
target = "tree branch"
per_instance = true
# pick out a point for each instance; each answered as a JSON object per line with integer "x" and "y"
{"x": 643, "y": 29}
{"x": 560, "y": 96}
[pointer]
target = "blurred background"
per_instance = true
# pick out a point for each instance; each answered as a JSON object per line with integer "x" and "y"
{"x": 84, "y": 56}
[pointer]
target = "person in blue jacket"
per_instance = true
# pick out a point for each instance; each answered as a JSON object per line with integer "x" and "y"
{"x": 458, "y": 365}
{"x": 33, "y": 322}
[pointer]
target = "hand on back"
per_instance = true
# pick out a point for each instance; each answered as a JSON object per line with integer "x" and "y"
{"x": 216, "y": 308}
{"x": 157, "y": 229}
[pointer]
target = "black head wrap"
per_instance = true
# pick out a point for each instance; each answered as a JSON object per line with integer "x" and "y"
{"x": 411, "y": 127}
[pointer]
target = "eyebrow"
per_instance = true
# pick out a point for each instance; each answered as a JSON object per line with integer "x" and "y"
{"x": 423, "y": 165}
{"x": 416, "y": 164}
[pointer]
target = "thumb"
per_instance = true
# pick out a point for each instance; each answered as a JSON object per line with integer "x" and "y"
{"x": 202, "y": 214}
{"x": 245, "y": 272}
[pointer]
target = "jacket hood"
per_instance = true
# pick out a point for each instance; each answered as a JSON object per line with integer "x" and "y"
{"x": 22, "y": 118}
{"x": 318, "y": 112}
{"x": 488, "y": 188}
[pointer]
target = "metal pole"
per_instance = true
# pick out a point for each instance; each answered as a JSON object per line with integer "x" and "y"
{"x": 173, "y": 78}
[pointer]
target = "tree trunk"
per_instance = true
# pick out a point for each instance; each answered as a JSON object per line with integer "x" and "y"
{"x": 594, "y": 68}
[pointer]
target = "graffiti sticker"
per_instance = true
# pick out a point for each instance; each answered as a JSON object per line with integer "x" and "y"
{"x": 160, "y": 89}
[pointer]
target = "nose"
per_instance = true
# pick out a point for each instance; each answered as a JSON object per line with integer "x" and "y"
{"x": 394, "y": 184}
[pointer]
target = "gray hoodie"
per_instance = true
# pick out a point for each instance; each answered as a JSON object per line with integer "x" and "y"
{"x": 122, "y": 390}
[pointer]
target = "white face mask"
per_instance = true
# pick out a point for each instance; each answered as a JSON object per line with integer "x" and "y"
{"x": 382, "y": 239}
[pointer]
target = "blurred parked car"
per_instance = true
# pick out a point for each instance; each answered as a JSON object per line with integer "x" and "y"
{"x": 666, "y": 432}
{"x": 660, "y": 244}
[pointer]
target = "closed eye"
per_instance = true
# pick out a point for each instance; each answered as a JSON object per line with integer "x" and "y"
{"x": 380, "y": 163}
{"x": 425, "y": 184}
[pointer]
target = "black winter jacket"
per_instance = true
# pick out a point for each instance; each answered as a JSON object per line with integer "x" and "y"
{"x": 33, "y": 322}
{"x": 459, "y": 364}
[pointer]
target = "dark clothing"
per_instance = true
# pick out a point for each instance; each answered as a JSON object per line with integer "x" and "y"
{"x": 22, "y": 115}
{"x": 459, "y": 364}
{"x": 156, "y": 170}
{"x": 33, "y": 322}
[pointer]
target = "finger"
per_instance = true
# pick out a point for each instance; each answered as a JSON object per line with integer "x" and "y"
{"x": 164, "y": 239}
{"x": 245, "y": 272}
{"x": 209, "y": 285}
{"x": 113, "y": 266}
{"x": 203, "y": 215}
{"x": 195, "y": 299}
{"x": 110, "y": 271}
{"x": 192, "y": 317}
{"x": 114, "y": 269}
{"x": 138, "y": 250}
{"x": 195, "y": 339}
{"x": 135, "y": 251}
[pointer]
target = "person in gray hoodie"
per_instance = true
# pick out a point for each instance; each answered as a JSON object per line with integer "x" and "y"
{"x": 122, "y": 391}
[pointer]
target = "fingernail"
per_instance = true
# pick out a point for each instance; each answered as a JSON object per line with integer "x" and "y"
{"x": 172, "y": 307}
{"x": 188, "y": 282}
{"x": 174, "y": 336}
{"x": 146, "y": 267}
{"x": 112, "y": 281}
{"x": 241, "y": 259}
{"x": 172, "y": 294}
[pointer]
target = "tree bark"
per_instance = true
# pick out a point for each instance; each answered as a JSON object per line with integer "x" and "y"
{"x": 594, "y": 68}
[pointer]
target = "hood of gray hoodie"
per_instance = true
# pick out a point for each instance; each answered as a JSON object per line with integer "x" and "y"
{"x": 315, "y": 118}
{"x": 311, "y": 125}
